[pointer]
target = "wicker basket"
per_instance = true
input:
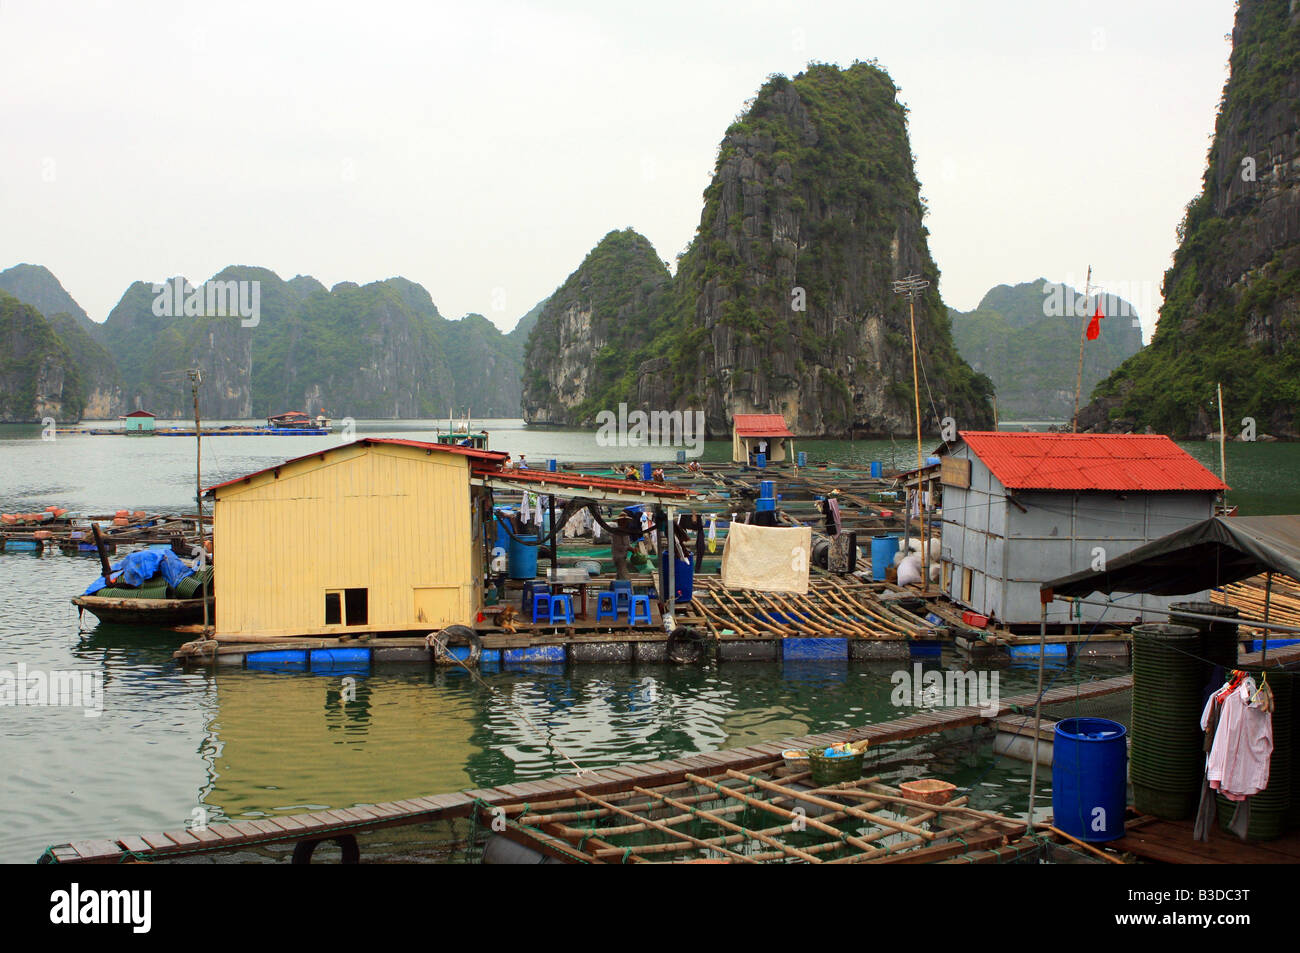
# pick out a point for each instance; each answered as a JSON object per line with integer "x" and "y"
{"x": 827, "y": 771}
{"x": 929, "y": 790}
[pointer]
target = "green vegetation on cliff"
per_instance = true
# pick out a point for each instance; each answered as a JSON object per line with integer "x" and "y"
{"x": 38, "y": 377}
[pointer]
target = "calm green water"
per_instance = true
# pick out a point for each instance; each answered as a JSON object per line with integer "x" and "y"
{"x": 241, "y": 744}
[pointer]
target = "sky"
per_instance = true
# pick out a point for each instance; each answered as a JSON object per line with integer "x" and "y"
{"x": 483, "y": 149}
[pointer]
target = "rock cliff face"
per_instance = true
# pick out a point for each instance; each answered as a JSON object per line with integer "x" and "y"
{"x": 581, "y": 353}
{"x": 1232, "y": 297}
{"x": 1026, "y": 339}
{"x": 784, "y": 302}
{"x": 38, "y": 377}
{"x": 36, "y": 286}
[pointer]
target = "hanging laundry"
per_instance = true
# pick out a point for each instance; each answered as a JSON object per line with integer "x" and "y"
{"x": 1238, "y": 762}
{"x": 713, "y": 533}
{"x": 525, "y": 515}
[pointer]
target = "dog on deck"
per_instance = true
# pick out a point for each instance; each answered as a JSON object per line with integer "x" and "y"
{"x": 506, "y": 618}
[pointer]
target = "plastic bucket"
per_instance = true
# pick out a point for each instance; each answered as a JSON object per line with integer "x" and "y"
{"x": 523, "y": 558}
{"x": 1089, "y": 766}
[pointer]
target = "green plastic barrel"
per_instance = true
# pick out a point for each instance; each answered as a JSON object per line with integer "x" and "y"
{"x": 1219, "y": 640}
{"x": 1167, "y": 760}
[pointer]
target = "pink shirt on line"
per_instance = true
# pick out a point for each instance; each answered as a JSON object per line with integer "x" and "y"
{"x": 1238, "y": 761}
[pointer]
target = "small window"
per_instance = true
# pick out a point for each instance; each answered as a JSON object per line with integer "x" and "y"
{"x": 357, "y": 606}
{"x": 333, "y": 608}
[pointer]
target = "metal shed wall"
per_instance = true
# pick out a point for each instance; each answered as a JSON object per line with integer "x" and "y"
{"x": 1011, "y": 553}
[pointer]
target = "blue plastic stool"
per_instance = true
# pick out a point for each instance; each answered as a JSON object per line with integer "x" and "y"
{"x": 640, "y": 611}
{"x": 602, "y": 598}
{"x": 531, "y": 589}
{"x": 542, "y": 601}
{"x": 622, "y": 590}
{"x": 565, "y": 606}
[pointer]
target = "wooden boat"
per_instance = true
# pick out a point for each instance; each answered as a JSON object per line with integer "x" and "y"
{"x": 164, "y": 612}
{"x": 297, "y": 420}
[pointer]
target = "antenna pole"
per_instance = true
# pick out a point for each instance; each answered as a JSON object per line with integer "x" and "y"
{"x": 1078, "y": 381}
{"x": 912, "y": 287}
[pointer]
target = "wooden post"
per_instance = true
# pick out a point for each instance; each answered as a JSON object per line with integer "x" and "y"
{"x": 104, "y": 567}
{"x": 1223, "y": 453}
{"x": 1045, "y": 598}
{"x": 1268, "y": 595}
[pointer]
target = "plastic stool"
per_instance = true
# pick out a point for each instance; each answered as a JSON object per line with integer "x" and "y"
{"x": 640, "y": 611}
{"x": 622, "y": 590}
{"x": 542, "y": 601}
{"x": 531, "y": 589}
{"x": 610, "y": 598}
{"x": 565, "y": 606}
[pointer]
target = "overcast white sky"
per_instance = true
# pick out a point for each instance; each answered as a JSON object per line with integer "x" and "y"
{"x": 482, "y": 149}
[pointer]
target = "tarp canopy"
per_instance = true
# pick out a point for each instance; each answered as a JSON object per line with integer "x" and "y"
{"x": 138, "y": 568}
{"x": 1202, "y": 556}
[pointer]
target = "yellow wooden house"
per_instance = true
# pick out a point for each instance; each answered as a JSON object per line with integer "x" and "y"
{"x": 373, "y": 536}
{"x": 378, "y": 535}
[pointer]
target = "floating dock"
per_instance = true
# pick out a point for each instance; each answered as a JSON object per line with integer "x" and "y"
{"x": 539, "y": 815}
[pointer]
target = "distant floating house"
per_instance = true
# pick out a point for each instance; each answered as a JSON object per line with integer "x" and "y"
{"x": 752, "y": 432}
{"x": 377, "y": 535}
{"x": 138, "y": 422}
{"x": 1020, "y": 509}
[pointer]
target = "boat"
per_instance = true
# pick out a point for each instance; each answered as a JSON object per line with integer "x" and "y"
{"x": 132, "y": 611}
{"x": 150, "y": 588}
{"x": 297, "y": 420}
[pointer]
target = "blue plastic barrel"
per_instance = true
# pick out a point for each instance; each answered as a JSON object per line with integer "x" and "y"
{"x": 647, "y": 470}
{"x": 523, "y": 559}
{"x": 767, "y": 489}
{"x": 683, "y": 577}
{"x": 931, "y": 461}
{"x": 681, "y": 456}
{"x": 764, "y": 504}
{"x": 760, "y": 460}
{"x": 876, "y": 469}
{"x": 1089, "y": 768}
{"x": 803, "y": 459}
{"x": 552, "y": 465}
{"x": 882, "y": 555}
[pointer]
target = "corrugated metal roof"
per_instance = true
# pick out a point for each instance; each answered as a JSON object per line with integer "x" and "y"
{"x": 1078, "y": 461}
{"x": 492, "y": 455}
{"x": 583, "y": 482}
{"x": 761, "y": 425}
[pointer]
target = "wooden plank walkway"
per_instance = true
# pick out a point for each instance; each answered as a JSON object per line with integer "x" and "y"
{"x": 365, "y": 818}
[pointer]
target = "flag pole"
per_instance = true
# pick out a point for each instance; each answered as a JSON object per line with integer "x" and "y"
{"x": 1078, "y": 380}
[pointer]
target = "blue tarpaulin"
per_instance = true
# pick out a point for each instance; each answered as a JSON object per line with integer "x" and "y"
{"x": 137, "y": 568}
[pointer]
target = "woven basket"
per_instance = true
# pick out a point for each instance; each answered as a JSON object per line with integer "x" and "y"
{"x": 827, "y": 771}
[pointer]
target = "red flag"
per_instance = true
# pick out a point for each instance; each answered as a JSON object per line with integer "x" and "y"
{"x": 1094, "y": 326}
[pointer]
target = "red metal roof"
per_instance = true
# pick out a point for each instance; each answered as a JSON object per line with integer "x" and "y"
{"x": 761, "y": 425}
{"x": 583, "y": 482}
{"x": 137, "y": 413}
{"x": 491, "y": 455}
{"x": 1079, "y": 461}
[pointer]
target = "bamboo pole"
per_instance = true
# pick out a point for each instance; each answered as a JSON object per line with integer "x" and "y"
{"x": 668, "y": 830}
{"x": 823, "y": 802}
{"x": 727, "y": 825}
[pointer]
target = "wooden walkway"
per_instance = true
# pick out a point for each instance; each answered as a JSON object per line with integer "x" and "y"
{"x": 324, "y": 825}
{"x": 1171, "y": 842}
